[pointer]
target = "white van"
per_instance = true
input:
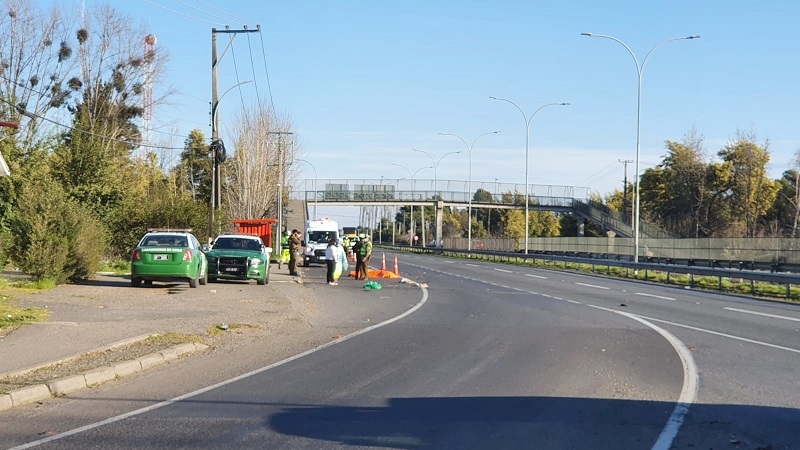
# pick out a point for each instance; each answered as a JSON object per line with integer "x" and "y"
{"x": 317, "y": 234}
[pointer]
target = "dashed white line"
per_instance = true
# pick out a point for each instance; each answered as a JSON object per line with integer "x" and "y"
{"x": 535, "y": 276}
{"x": 774, "y": 316}
{"x": 655, "y": 296}
{"x": 592, "y": 286}
{"x": 471, "y": 265}
{"x": 503, "y": 270}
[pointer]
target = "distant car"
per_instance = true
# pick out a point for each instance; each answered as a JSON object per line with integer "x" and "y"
{"x": 168, "y": 255}
{"x": 238, "y": 257}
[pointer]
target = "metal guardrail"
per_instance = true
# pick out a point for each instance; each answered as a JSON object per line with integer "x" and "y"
{"x": 781, "y": 279}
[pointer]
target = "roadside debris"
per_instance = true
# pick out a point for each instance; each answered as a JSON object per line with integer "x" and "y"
{"x": 372, "y": 285}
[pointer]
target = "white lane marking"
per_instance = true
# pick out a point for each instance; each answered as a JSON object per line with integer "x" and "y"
{"x": 654, "y": 296}
{"x": 147, "y": 409}
{"x": 573, "y": 301}
{"x": 592, "y": 286}
{"x": 690, "y": 381}
{"x": 503, "y": 270}
{"x": 449, "y": 262}
{"x": 471, "y": 265}
{"x": 729, "y": 336}
{"x": 774, "y": 316}
{"x": 535, "y": 276}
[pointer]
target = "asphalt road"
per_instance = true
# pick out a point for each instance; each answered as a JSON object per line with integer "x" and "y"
{"x": 494, "y": 356}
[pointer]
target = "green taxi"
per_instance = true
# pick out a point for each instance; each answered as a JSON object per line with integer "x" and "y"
{"x": 238, "y": 257}
{"x": 168, "y": 255}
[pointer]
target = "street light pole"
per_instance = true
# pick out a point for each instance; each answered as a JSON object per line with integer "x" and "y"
{"x": 527, "y": 139}
{"x": 639, "y": 71}
{"x": 315, "y": 184}
{"x": 469, "y": 183}
{"x": 435, "y": 179}
{"x": 412, "y": 175}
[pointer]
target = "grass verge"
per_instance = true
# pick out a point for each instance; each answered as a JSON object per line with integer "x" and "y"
{"x": 220, "y": 328}
{"x": 11, "y": 315}
{"x": 729, "y": 285}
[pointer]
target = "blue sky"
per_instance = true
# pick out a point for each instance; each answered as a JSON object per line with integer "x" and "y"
{"x": 364, "y": 82}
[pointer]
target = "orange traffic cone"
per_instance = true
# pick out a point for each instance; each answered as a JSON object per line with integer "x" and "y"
{"x": 396, "y": 269}
{"x": 383, "y": 261}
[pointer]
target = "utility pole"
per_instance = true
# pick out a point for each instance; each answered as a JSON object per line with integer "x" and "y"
{"x": 625, "y": 163}
{"x": 217, "y": 148}
{"x": 281, "y": 183}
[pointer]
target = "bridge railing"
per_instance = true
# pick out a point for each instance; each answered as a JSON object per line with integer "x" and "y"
{"x": 449, "y": 190}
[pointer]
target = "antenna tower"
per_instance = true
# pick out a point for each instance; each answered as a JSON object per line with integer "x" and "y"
{"x": 147, "y": 92}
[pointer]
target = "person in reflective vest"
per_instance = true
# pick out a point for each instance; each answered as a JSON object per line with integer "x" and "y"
{"x": 362, "y": 258}
{"x": 284, "y": 256}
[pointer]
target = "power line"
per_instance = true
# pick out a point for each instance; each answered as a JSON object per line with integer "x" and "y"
{"x": 602, "y": 173}
{"x": 180, "y": 13}
{"x": 236, "y": 71}
{"x": 253, "y": 67}
{"x": 264, "y": 55}
{"x": 266, "y": 72}
{"x": 31, "y": 115}
{"x": 223, "y": 12}
{"x": 44, "y": 95}
{"x": 200, "y": 10}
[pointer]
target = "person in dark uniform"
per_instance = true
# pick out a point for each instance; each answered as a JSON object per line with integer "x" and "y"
{"x": 295, "y": 243}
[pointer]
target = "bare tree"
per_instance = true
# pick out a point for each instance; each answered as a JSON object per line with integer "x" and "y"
{"x": 36, "y": 65}
{"x": 264, "y": 149}
{"x": 115, "y": 70}
{"x": 796, "y": 202}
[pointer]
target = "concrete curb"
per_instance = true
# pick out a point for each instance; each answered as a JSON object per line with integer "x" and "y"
{"x": 70, "y": 358}
{"x": 94, "y": 377}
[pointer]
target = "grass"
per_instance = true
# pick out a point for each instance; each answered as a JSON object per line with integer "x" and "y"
{"x": 11, "y": 315}
{"x": 119, "y": 267}
{"x": 707, "y": 283}
{"x": 174, "y": 338}
{"x": 219, "y": 328}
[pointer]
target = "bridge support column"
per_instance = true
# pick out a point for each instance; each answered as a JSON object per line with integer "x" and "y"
{"x": 439, "y": 212}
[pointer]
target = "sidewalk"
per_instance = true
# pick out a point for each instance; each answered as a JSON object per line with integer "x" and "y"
{"x": 108, "y": 312}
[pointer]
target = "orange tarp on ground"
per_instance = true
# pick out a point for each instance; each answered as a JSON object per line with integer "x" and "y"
{"x": 377, "y": 274}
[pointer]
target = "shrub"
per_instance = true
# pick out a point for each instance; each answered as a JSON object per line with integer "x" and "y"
{"x": 55, "y": 238}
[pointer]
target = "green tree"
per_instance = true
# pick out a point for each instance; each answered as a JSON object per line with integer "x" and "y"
{"x": 750, "y": 193}
{"x": 194, "y": 169}
{"x": 91, "y": 167}
{"x": 782, "y": 216}
{"x": 514, "y": 223}
{"x": 478, "y": 231}
{"x": 543, "y": 224}
{"x": 675, "y": 193}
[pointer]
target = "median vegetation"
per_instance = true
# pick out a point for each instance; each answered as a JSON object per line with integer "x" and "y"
{"x": 730, "y": 285}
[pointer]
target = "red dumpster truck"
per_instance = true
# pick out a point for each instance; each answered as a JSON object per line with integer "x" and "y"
{"x": 263, "y": 228}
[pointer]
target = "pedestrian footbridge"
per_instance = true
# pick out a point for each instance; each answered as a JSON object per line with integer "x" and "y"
{"x": 463, "y": 194}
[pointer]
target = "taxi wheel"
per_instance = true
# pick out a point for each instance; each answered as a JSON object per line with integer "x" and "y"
{"x": 193, "y": 282}
{"x": 136, "y": 281}
{"x": 204, "y": 280}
